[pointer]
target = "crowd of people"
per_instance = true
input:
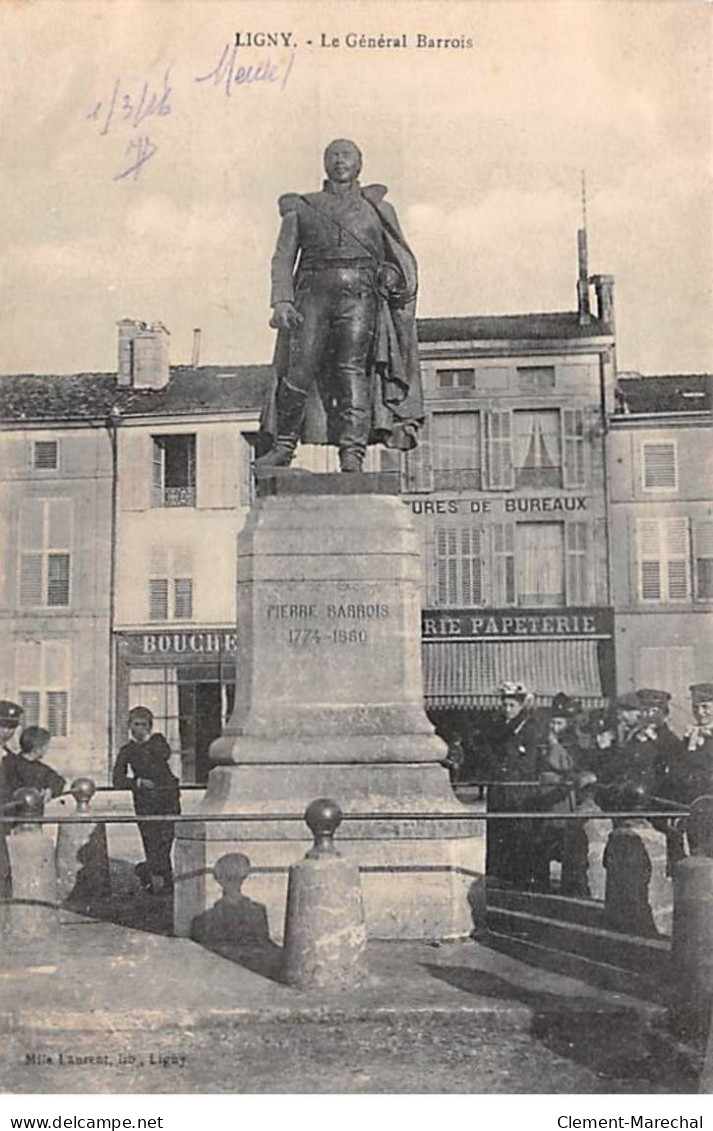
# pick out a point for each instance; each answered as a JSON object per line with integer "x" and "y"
{"x": 550, "y": 759}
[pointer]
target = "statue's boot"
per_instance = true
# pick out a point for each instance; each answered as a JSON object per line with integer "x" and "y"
{"x": 290, "y": 414}
{"x": 354, "y": 422}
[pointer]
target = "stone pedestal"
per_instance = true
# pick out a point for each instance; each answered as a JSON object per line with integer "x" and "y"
{"x": 329, "y": 702}
{"x": 32, "y": 913}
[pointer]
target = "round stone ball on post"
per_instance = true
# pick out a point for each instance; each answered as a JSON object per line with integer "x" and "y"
{"x": 325, "y": 935}
{"x": 82, "y": 855}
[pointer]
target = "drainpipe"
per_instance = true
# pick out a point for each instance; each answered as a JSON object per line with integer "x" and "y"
{"x": 111, "y": 424}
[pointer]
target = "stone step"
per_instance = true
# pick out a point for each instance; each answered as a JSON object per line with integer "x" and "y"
{"x": 595, "y": 973}
{"x": 627, "y": 952}
{"x": 585, "y": 912}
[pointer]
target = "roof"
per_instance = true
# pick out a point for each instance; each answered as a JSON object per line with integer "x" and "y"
{"x": 564, "y": 324}
{"x": 91, "y": 396}
{"x": 664, "y": 393}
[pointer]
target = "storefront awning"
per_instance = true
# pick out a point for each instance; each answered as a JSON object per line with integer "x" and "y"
{"x": 468, "y": 673}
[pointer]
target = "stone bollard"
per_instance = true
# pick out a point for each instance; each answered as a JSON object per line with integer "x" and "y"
{"x": 639, "y": 894}
{"x": 32, "y": 913}
{"x": 692, "y": 951}
{"x": 82, "y": 856}
{"x": 325, "y": 935}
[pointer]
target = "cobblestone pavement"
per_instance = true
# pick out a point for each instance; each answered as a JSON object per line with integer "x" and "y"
{"x": 414, "y": 1055}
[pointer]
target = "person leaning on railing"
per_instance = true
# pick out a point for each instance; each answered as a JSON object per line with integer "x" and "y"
{"x": 155, "y": 791}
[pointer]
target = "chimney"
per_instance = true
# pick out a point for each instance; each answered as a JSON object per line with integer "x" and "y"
{"x": 143, "y": 354}
{"x": 604, "y": 290}
{"x": 583, "y": 311}
{"x": 195, "y": 359}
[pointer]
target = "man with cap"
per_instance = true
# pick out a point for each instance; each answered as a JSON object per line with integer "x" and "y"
{"x": 557, "y": 767}
{"x": 155, "y": 790}
{"x": 513, "y": 759}
{"x": 655, "y": 705}
{"x": 10, "y": 718}
{"x": 635, "y": 769}
{"x": 691, "y": 774}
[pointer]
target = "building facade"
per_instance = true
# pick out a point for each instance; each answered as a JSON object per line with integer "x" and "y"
{"x": 55, "y": 597}
{"x": 661, "y": 489}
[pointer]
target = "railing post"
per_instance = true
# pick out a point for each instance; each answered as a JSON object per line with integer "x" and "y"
{"x": 82, "y": 857}
{"x": 692, "y": 952}
{"x": 325, "y": 935}
{"x": 32, "y": 911}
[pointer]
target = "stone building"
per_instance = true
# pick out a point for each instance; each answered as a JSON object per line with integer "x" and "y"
{"x": 661, "y": 505}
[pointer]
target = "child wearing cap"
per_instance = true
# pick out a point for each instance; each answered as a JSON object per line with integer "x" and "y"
{"x": 27, "y": 769}
{"x": 10, "y": 718}
{"x": 142, "y": 766}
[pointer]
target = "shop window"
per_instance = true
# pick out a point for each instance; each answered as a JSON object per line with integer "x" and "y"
{"x": 45, "y": 557}
{"x": 45, "y": 455}
{"x": 458, "y": 578}
{"x": 539, "y": 551}
{"x": 537, "y": 449}
{"x": 703, "y": 541}
{"x": 455, "y": 378}
{"x": 174, "y": 471}
{"x": 659, "y": 466}
{"x": 663, "y": 555}
{"x": 536, "y": 378}
{"x": 42, "y": 676}
{"x": 455, "y": 450}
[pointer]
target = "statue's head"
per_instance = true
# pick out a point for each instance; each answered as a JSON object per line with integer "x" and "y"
{"x": 342, "y": 160}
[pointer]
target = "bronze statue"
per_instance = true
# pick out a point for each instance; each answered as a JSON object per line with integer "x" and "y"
{"x": 344, "y": 285}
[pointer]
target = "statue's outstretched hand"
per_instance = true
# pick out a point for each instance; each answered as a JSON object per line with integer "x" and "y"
{"x": 285, "y": 316}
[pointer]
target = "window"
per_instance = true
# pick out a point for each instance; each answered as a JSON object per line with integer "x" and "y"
{"x": 535, "y": 378}
{"x": 659, "y": 466}
{"x": 170, "y": 595}
{"x": 459, "y": 569}
{"x": 45, "y": 537}
{"x": 455, "y": 378}
{"x": 703, "y": 546}
{"x": 539, "y": 548}
{"x": 42, "y": 677}
{"x": 45, "y": 455}
{"x": 174, "y": 471}
{"x": 538, "y": 449}
{"x": 455, "y": 450}
{"x": 498, "y": 440}
{"x": 663, "y": 554}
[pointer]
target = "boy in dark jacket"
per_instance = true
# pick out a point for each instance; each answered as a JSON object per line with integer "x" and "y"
{"x": 26, "y": 770}
{"x": 155, "y": 790}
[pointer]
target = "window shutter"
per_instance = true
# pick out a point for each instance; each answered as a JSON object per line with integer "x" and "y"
{"x": 504, "y": 563}
{"x": 183, "y": 598}
{"x": 677, "y": 556}
{"x": 472, "y": 565}
{"x": 57, "y": 580}
{"x": 158, "y": 598}
{"x": 577, "y": 542}
{"x": 648, "y": 536}
{"x": 57, "y": 713}
{"x": 441, "y": 565}
{"x": 30, "y": 703}
{"x": 498, "y": 430}
{"x": 28, "y": 663}
{"x": 703, "y": 553}
{"x": 218, "y": 465}
{"x": 135, "y": 469}
{"x": 417, "y": 463}
{"x": 659, "y": 462}
{"x": 31, "y": 586}
{"x": 32, "y": 524}
{"x": 573, "y": 468}
{"x": 45, "y": 455}
{"x": 59, "y": 526}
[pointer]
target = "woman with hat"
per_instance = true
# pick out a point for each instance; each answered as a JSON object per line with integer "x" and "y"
{"x": 513, "y": 759}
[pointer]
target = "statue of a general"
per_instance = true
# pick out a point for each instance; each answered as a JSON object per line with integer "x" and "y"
{"x": 344, "y": 287}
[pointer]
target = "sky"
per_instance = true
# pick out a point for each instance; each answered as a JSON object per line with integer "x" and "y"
{"x": 138, "y": 181}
